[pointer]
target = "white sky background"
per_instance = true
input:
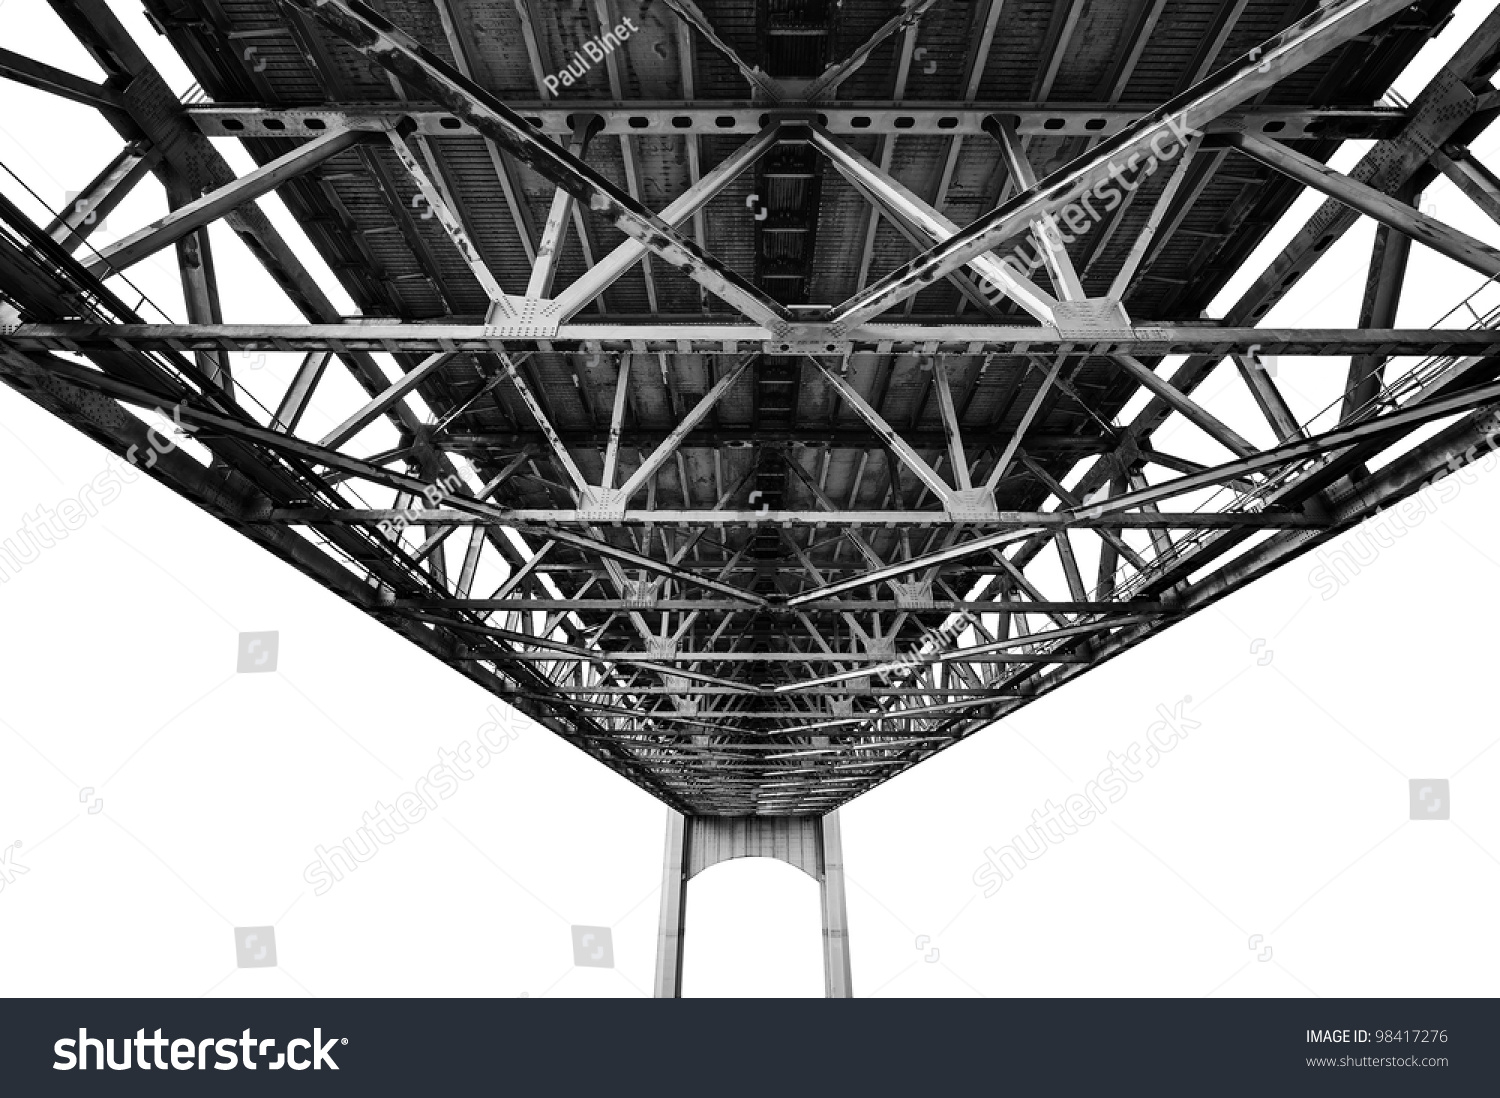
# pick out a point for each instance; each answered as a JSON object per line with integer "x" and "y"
{"x": 1284, "y": 815}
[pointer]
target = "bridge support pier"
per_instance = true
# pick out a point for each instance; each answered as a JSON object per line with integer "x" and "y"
{"x": 813, "y": 844}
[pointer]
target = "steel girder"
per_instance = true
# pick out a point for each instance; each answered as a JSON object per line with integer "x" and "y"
{"x": 730, "y": 658}
{"x": 551, "y": 117}
{"x": 952, "y": 340}
{"x": 377, "y": 39}
{"x": 1330, "y": 26}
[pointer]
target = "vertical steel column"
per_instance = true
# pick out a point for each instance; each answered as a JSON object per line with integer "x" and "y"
{"x": 674, "y": 882}
{"x": 838, "y": 979}
{"x": 200, "y": 285}
{"x": 1382, "y": 300}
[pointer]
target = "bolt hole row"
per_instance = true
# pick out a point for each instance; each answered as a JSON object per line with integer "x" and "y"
{"x": 729, "y": 122}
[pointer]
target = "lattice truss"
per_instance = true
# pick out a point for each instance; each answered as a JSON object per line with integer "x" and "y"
{"x": 718, "y": 435}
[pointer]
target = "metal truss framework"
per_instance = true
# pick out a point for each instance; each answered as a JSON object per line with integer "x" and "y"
{"x": 757, "y": 549}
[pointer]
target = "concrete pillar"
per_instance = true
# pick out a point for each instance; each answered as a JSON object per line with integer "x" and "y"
{"x": 811, "y": 843}
{"x": 674, "y": 881}
{"x": 838, "y": 979}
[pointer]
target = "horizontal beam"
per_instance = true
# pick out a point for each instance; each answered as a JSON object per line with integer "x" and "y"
{"x": 943, "y": 606}
{"x": 793, "y": 569}
{"x": 542, "y": 655}
{"x": 731, "y": 436}
{"x": 658, "y": 119}
{"x": 526, "y": 517}
{"x": 801, "y": 692}
{"x": 686, "y": 338}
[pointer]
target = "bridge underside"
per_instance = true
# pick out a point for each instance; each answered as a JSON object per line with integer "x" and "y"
{"x": 775, "y": 401}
